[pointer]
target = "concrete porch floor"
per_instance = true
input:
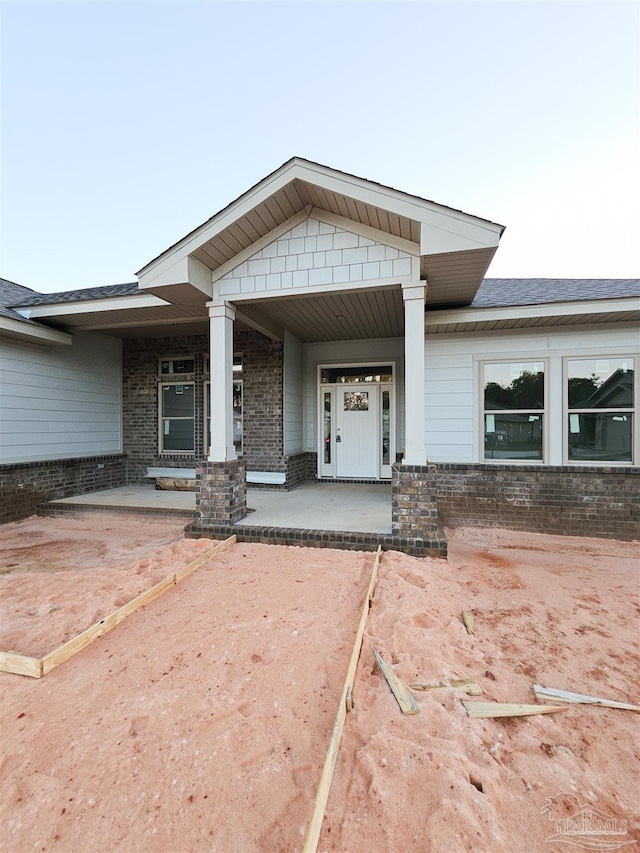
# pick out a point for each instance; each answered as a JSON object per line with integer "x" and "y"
{"x": 317, "y": 506}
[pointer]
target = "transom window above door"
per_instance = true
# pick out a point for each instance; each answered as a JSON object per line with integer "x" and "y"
{"x": 358, "y": 374}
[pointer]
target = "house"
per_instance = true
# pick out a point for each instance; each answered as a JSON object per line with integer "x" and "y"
{"x": 323, "y": 326}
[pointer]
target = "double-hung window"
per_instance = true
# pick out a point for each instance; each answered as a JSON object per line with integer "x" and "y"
{"x": 513, "y": 409}
{"x": 177, "y": 417}
{"x": 600, "y": 402}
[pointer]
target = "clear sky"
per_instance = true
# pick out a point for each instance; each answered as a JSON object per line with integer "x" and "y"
{"x": 127, "y": 124}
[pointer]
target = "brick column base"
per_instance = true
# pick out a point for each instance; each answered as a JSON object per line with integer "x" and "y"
{"x": 221, "y": 492}
{"x": 414, "y": 510}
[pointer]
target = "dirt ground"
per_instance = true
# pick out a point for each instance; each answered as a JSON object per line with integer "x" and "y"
{"x": 202, "y": 722}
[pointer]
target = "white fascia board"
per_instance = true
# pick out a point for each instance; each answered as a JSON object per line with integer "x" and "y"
{"x": 116, "y": 303}
{"x": 441, "y": 233}
{"x": 359, "y": 189}
{"x": 531, "y": 312}
{"x": 178, "y": 270}
{"x": 223, "y": 219}
{"x": 33, "y": 331}
{"x": 429, "y": 213}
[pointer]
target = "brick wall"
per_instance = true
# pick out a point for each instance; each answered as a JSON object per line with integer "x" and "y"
{"x": 300, "y": 467}
{"x": 140, "y": 380}
{"x": 24, "y": 485}
{"x": 580, "y": 501}
{"x": 262, "y": 393}
{"x": 262, "y": 401}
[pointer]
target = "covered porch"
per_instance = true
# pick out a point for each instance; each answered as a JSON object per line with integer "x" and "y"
{"x": 319, "y": 506}
{"x": 327, "y": 515}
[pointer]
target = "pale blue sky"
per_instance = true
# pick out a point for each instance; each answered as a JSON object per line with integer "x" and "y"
{"x": 127, "y": 124}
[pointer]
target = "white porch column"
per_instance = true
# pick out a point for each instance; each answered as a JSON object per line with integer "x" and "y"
{"x": 414, "y": 302}
{"x": 221, "y": 319}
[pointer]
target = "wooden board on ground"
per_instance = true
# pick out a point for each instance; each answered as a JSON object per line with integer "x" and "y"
{"x": 37, "y": 668}
{"x": 469, "y": 621}
{"x": 565, "y": 696}
{"x": 346, "y": 704}
{"x": 408, "y": 704}
{"x": 467, "y": 685}
{"x": 479, "y": 710}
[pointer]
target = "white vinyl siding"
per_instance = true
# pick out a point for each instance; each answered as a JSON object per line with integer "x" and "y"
{"x": 292, "y": 395}
{"x": 60, "y": 402}
{"x": 453, "y": 399}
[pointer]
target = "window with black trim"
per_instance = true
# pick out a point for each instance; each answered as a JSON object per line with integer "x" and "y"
{"x": 513, "y": 409}
{"x": 177, "y": 366}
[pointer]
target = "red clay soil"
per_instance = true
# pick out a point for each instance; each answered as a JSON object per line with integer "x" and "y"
{"x": 202, "y": 721}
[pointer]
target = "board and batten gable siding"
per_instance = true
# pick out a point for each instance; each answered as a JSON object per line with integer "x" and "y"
{"x": 315, "y": 253}
{"x": 453, "y": 401}
{"x": 60, "y": 402}
{"x": 293, "y": 395}
{"x": 372, "y": 351}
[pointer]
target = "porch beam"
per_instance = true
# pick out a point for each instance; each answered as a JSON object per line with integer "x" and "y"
{"x": 221, "y": 319}
{"x": 414, "y": 296}
{"x": 256, "y": 319}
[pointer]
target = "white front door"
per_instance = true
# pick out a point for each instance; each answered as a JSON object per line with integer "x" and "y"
{"x": 357, "y": 416}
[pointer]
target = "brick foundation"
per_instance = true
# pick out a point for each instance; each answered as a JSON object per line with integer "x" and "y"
{"x": 414, "y": 511}
{"x": 25, "y": 485}
{"x": 576, "y": 501}
{"x": 221, "y": 492}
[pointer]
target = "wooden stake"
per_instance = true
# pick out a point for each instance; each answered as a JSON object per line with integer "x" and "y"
{"x": 11, "y": 662}
{"x": 469, "y": 621}
{"x": 564, "y": 696}
{"x": 345, "y": 705}
{"x": 477, "y": 710}
{"x": 408, "y": 704}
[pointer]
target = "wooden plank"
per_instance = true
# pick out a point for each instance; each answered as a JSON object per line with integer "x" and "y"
{"x": 477, "y": 710}
{"x": 83, "y": 639}
{"x": 469, "y": 621}
{"x": 408, "y": 704}
{"x": 200, "y": 561}
{"x": 345, "y": 704}
{"x": 468, "y": 685}
{"x": 564, "y": 696}
{"x": 20, "y": 664}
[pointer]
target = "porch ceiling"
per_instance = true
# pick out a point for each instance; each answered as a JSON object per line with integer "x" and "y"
{"x": 354, "y": 315}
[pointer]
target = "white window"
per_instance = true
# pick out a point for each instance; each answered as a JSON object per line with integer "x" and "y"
{"x": 513, "y": 410}
{"x": 177, "y": 417}
{"x": 600, "y": 409}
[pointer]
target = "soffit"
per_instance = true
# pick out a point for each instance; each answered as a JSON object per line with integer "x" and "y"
{"x": 110, "y": 321}
{"x": 355, "y": 315}
{"x": 285, "y": 203}
{"x": 434, "y": 328}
